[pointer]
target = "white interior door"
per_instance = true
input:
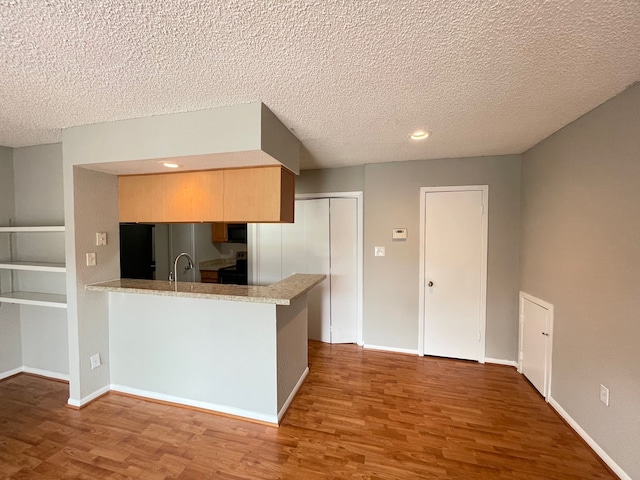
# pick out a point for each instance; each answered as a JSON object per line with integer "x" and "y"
{"x": 344, "y": 270}
{"x": 454, "y": 270}
{"x": 535, "y": 343}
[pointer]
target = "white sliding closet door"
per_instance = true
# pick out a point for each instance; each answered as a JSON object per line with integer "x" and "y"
{"x": 344, "y": 267}
{"x": 306, "y": 249}
{"x": 323, "y": 239}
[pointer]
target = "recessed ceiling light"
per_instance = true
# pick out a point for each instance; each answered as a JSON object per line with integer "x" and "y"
{"x": 419, "y": 135}
{"x": 170, "y": 165}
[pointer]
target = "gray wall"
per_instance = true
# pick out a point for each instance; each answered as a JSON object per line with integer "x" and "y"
{"x": 148, "y": 357}
{"x": 347, "y": 179}
{"x": 7, "y": 205}
{"x": 580, "y": 251}
{"x": 391, "y": 200}
{"x": 39, "y": 198}
{"x": 91, "y": 205}
{"x": 39, "y": 201}
{"x": 291, "y": 351}
{"x": 10, "y": 340}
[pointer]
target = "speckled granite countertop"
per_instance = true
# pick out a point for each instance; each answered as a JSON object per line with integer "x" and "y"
{"x": 279, "y": 293}
{"x": 216, "y": 264}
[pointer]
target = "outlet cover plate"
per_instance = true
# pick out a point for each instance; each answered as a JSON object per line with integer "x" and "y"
{"x": 379, "y": 251}
{"x": 95, "y": 361}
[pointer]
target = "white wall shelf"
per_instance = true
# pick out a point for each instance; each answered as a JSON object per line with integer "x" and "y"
{"x": 33, "y": 298}
{"x": 54, "y": 228}
{"x": 34, "y": 266}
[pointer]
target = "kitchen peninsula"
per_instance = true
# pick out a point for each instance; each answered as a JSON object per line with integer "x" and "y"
{"x": 234, "y": 349}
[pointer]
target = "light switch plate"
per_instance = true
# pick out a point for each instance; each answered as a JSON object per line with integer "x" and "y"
{"x": 379, "y": 251}
{"x": 101, "y": 238}
{"x": 399, "y": 234}
{"x": 604, "y": 395}
{"x": 91, "y": 259}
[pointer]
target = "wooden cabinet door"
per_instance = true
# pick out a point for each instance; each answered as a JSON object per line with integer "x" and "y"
{"x": 209, "y": 276}
{"x": 193, "y": 196}
{"x": 219, "y": 232}
{"x": 264, "y": 194}
{"x": 140, "y": 198}
{"x": 171, "y": 198}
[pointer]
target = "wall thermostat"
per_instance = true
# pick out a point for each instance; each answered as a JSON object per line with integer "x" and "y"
{"x": 399, "y": 233}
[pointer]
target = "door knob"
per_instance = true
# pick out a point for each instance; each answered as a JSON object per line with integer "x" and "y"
{"x": 430, "y": 284}
{"x": 545, "y": 334}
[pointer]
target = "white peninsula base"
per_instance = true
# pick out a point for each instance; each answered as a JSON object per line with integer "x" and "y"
{"x": 242, "y": 358}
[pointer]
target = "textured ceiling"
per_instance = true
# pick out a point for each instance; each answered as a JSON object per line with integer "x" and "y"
{"x": 350, "y": 78}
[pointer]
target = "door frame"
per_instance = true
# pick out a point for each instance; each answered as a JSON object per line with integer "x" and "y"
{"x": 252, "y": 237}
{"x": 549, "y": 348}
{"x": 483, "y": 268}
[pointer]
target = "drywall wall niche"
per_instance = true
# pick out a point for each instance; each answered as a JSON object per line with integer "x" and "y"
{"x": 39, "y": 200}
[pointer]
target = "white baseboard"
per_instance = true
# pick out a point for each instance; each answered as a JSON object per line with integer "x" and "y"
{"x": 10, "y": 373}
{"x": 236, "y": 412}
{"x": 89, "y": 398}
{"x": 409, "y": 351}
{"x": 498, "y": 361}
{"x": 590, "y": 441}
{"x": 35, "y": 371}
{"x": 286, "y": 405}
{"x": 46, "y": 373}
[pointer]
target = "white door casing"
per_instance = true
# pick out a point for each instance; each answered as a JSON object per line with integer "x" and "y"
{"x": 535, "y": 342}
{"x": 453, "y": 255}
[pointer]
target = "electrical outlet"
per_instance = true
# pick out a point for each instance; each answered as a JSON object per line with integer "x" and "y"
{"x": 91, "y": 259}
{"x": 379, "y": 251}
{"x": 95, "y": 361}
{"x": 604, "y": 395}
{"x": 101, "y": 238}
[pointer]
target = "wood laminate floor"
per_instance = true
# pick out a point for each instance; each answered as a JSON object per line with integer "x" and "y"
{"x": 360, "y": 414}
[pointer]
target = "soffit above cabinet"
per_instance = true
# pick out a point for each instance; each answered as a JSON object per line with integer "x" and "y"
{"x": 212, "y": 161}
{"x": 246, "y": 135}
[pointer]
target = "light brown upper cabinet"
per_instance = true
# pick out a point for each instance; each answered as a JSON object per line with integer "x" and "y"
{"x": 262, "y": 194}
{"x": 171, "y": 197}
{"x": 219, "y": 232}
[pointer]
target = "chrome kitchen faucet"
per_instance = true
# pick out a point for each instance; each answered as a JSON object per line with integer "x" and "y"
{"x": 174, "y": 275}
